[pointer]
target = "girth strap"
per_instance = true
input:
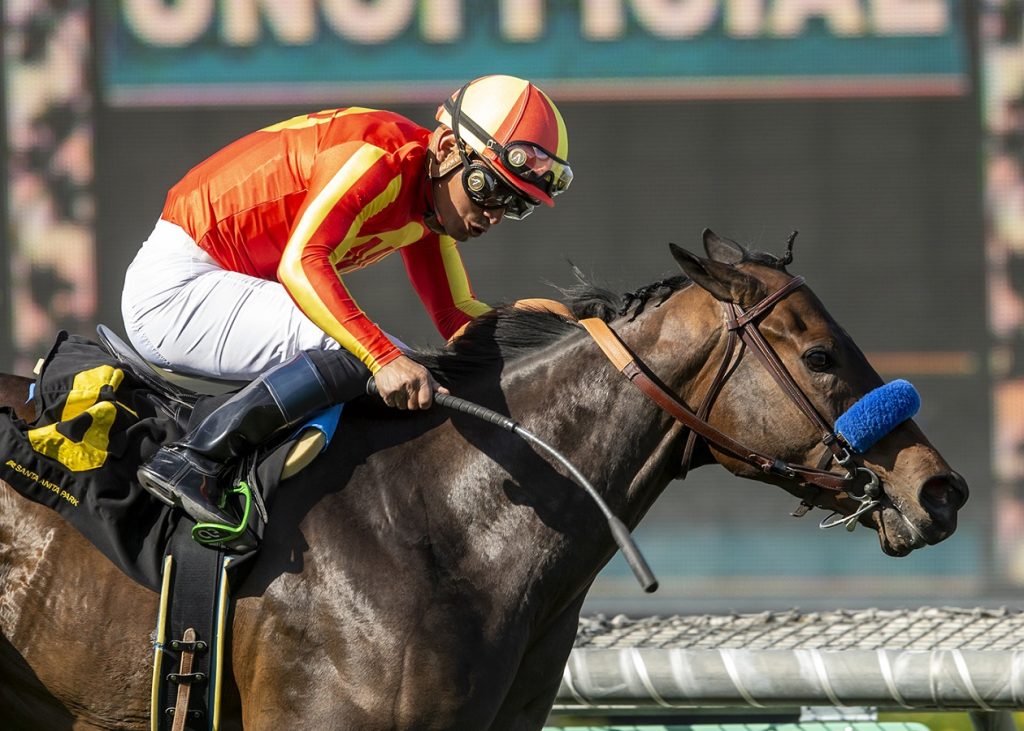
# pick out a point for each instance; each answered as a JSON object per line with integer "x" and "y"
{"x": 180, "y": 712}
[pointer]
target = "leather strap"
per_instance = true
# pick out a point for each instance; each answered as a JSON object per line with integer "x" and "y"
{"x": 766, "y": 304}
{"x": 184, "y": 689}
{"x": 542, "y": 304}
{"x": 709, "y": 398}
{"x": 608, "y": 341}
{"x": 625, "y": 362}
{"x": 537, "y": 304}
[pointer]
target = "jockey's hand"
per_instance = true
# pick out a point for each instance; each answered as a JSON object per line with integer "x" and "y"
{"x": 405, "y": 384}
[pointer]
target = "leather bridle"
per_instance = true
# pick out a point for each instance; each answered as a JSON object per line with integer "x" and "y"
{"x": 742, "y": 326}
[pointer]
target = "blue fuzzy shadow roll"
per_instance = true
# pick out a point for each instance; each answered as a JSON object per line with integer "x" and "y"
{"x": 877, "y": 414}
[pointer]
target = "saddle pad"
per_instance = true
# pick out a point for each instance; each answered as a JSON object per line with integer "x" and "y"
{"x": 96, "y": 423}
{"x": 94, "y": 426}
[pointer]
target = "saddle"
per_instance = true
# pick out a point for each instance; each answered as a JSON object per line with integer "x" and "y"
{"x": 186, "y": 391}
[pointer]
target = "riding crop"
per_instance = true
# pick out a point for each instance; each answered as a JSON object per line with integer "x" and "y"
{"x": 635, "y": 559}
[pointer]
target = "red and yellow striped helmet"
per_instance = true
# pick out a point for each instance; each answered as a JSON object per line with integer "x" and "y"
{"x": 515, "y": 127}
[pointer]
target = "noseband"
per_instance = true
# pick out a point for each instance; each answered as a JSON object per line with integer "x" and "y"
{"x": 742, "y": 325}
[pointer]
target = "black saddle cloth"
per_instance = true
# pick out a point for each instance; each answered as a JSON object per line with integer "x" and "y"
{"x": 95, "y": 424}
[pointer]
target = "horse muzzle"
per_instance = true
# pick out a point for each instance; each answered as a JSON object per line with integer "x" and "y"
{"x": 941, "y": 498}
{"x": 929, "y": 519}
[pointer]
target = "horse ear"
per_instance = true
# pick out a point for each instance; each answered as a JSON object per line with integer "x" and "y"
{"x": 723, "y": 281}
{"x": 722, "y": 249}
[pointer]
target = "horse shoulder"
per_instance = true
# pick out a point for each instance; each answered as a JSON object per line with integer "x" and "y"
{"x": 352, "y": 572}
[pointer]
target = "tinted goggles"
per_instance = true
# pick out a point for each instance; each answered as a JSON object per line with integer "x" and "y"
{"x": 488, "y": 190}
{"x": 535, "y": 165}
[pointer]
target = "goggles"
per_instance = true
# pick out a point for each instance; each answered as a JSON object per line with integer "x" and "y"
{"x": 533, "y": 164}
{"x": 527, "y": 161}
{"x": 486, "y": 188}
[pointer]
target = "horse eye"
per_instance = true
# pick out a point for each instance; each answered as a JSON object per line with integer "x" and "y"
{"x": 817, "y": 359}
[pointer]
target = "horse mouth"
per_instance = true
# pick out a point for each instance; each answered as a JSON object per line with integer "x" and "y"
{"x": 929, "y": 519}
{"x": 897, "y": 534}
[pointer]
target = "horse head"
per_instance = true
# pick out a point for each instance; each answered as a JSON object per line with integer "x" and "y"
{"x": 918, "y": 494}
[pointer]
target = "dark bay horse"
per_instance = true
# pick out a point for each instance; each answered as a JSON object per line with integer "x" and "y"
{"x": 428, "y": 571}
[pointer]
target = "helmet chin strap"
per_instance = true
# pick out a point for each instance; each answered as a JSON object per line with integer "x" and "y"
{"x": 432, "y": 218}
{"x": 444, "y": 169}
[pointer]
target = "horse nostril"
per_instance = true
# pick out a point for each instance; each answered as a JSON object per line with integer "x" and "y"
{"x": 943, "y": 493}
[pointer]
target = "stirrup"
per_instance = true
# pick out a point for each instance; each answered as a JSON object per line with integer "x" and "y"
{"x": 223, "y": 534}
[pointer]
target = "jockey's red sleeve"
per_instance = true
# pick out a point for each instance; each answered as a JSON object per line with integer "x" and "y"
{"x": 319, "y": 195}
{"x": 351, "y": 185}
{"x": 437, "y": 274}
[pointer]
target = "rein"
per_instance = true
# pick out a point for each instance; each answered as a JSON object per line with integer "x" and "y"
{"x": 743, "y": 325}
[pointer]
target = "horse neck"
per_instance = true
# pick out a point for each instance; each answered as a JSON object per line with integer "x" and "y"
{"x": 679, "y": 342}
{"x": 572, "y": 397}
{"x": 492, "y": 511}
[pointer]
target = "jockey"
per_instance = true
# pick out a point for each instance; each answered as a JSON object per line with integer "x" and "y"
{"x": 242, "y": 276}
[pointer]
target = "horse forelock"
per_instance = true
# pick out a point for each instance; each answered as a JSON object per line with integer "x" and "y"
{"x": 768, "y": 260}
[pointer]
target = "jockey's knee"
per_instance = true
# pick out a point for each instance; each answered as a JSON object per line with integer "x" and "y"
{"x": 343, "y": 374}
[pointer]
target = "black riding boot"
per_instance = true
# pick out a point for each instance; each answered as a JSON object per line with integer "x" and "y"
{"x": 187, "y": 473}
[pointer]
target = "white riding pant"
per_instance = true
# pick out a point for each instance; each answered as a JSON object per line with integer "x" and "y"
{"x": 184, "y": 312}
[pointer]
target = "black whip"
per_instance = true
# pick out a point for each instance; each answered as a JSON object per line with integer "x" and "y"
{"x": 620, "y": 532}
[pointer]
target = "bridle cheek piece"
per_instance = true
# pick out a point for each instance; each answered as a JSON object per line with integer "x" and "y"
{"x": 742, "y": 326}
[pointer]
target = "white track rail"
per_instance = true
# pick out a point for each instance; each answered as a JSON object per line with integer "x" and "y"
{"x": 886, "y": 678}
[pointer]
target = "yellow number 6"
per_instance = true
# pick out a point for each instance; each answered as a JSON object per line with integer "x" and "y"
{"x": 91, "y": 451}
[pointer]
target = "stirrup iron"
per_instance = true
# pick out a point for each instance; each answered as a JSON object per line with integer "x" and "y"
{"x": 219, "y": 534}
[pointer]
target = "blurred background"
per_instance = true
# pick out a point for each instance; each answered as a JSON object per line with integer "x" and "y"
{"x": 888, "y": 132}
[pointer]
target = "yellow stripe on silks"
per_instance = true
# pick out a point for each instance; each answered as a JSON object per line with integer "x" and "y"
{"x": 290, "y": 270}
{"x": 408, "y": 234}
{"x": 378, "y": 204}
{"x": 311, "y": 120}
{"x": 563, "y": 137}
{"x": 349, "y": 342}
{"x": 458, "y": 282}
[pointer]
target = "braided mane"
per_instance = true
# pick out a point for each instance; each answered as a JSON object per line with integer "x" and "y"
{"x": 508, "y": 333}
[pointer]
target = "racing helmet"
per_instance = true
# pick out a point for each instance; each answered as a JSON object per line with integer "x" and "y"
{"x": 517, "y": 129}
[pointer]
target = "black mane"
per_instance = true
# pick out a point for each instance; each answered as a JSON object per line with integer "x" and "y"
{"x": 507, "y": 333}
